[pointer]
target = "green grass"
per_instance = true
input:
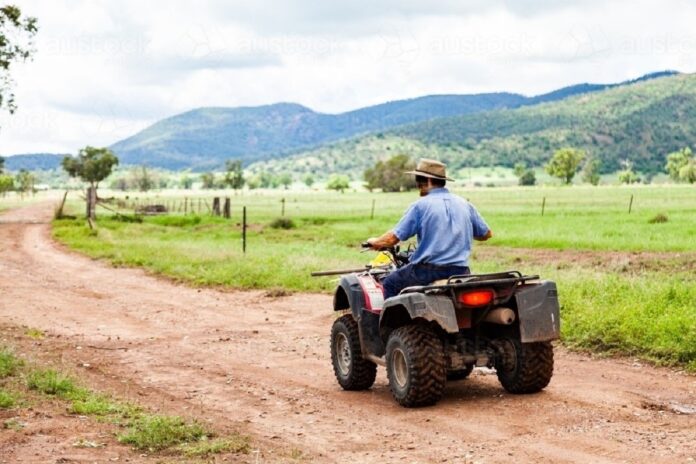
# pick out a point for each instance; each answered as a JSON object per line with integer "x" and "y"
{"x": 651, "y": 317}
{"x": 34, "y": 334}
{"x": 96, "y": 404}
{"x": 52, "y": 382}
{"x": 9, "y": 363}
{"x": 7, "y": 399}
{"x": 155, "y": 433}
{"x": 645, "y": 312}
{"x": 233, "y": 444}
{"x": 144, "y": 431}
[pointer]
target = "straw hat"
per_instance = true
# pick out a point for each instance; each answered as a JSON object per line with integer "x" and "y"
{"x": 430, "y": 168}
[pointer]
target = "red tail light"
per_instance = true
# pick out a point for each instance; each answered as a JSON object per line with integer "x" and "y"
{"x": 476, "y": 298}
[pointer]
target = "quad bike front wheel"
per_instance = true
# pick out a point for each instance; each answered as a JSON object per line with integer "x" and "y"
{"x": 416, "y": 366}
{"x": 353, "y": 372}
{"x": 524, "y": 367}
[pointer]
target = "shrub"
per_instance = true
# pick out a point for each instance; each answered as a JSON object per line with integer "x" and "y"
{"x": 658, "y": 219}
{"x": 283, "y": 223}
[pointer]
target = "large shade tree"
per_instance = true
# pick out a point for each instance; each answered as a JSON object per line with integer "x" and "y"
{"x": 92, "y": 165}
{"x": 565, "y": 163}
{"x": 17, "y": 32}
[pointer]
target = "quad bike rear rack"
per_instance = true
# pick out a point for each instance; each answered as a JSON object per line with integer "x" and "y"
{"x": 511, "y": 278}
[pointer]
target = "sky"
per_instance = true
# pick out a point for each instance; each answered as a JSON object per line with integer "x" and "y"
{"x": 105, "y": 69}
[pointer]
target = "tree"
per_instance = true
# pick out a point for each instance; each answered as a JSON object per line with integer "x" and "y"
{"x": 525, "y": 175}
{"x": 141, "y": 179}
{"x": 528, "y": 177}
{"x": 16, "y": 44}
{"x": 234, "y": 175}
{"x": 688, "y": 172}
{"x": 6, "y": 184}
{"x": 676, "y": 161}
{"x": 186, "y": 182}
{"x": 91, "y": 165}
{"x": 338, "y": 182}
{"x": 208, "y": 179}
{"x": 565, "y": 163}
{"x": 389, "y": 175}
{"x": 2, "y": 165}
{"x": 285, "y": 180}
{"x": 308, "y": 180}
{"x": 590, "y": 171}
{"x": 25, "y": 181}
{"x": 628, "y": 176}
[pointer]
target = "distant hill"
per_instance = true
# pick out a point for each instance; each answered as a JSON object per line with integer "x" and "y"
{"x": 641, "y": 121}
{"x": 204, "y": 138}
{"x": 33, "y": 162}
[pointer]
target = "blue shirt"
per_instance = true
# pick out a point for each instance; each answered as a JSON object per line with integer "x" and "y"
{"x": 445, "y": 225}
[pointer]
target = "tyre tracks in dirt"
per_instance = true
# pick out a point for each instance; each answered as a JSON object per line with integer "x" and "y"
{"x": 239, "y": 358}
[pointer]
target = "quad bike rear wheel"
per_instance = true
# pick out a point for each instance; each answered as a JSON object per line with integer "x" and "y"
{"x": 524, "y": 367}
{"x": 416, "y": 366}
{"x": 353, "y": 372}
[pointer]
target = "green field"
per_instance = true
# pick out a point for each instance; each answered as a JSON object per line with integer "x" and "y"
{"x": 645, "y": 312}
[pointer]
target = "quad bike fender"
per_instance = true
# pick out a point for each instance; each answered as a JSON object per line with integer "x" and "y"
{"x": 432, "y": 308}
{"x": 539, "y": 312}
{"x": 349, "y": 295}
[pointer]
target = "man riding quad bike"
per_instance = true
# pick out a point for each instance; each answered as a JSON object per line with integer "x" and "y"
{"x": 428, "y": 320}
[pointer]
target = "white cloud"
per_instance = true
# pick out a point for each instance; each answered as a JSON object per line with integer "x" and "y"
{"x": 105, "y": 69}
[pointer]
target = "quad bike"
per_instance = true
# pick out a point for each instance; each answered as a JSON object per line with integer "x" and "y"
{"x": 428, "y": 335}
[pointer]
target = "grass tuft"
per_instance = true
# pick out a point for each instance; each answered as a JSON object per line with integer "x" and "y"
{"x": 51, "y": 382}
{"x": 7, "y": 399}
{"x": 34, "y": 334}
{"x": 155, "y": 433}
{"x": 94, "y": 404}
{"x": 9, "y": 363}
{"x": 232, "y": 444}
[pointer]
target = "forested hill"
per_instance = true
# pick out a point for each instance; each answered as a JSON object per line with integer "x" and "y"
{"x": 33, "y": 162}
{"x": 641, "y": 122}
{"x": 204, "y": 138}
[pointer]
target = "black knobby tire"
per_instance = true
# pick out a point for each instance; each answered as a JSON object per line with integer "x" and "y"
{"x": 460, "y": 374}
{"x": 353, "y": 372}
{"x": 525, "y": 367}
{"x": 416, "y": 366}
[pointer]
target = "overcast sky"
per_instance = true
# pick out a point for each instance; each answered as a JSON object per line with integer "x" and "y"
{"x": 105, "y": 69}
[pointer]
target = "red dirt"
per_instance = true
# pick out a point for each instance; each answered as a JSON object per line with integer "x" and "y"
{"x": 243, "y": 360}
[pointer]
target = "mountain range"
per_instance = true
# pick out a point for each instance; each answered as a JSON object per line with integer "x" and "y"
{"x": 468, "y": 130}
{"x": 640, "y": 122}
{"x": 204, "y": 138}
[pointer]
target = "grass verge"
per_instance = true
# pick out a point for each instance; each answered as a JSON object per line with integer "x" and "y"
{"x": 144, "y": 431}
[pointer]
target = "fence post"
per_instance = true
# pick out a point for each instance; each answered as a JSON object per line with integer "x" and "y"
{"x": 216, "y": 206}
{"x": 282, "y": 207}
{"x": 372, "y": 213}
{"x": 630, "y": 204}
{"x": 244, "y": 228}
{"x": 543, "y": 206}
{"x": 226, "y": 208}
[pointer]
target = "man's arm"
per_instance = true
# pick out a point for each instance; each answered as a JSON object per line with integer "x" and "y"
{"x": 385, "y": 241}
{"x": 483, "y": 238}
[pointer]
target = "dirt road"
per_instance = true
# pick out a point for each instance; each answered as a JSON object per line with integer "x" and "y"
{"x": 262, "y": 363}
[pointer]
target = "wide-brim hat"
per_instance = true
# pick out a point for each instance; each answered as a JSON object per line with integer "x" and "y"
{"x": 430, "y": 168}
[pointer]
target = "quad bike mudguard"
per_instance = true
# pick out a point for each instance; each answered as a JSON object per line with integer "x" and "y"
{"x": 538, "y": 312}
{"x": 432, "y": 308}
{"x": 350, "y": 294}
